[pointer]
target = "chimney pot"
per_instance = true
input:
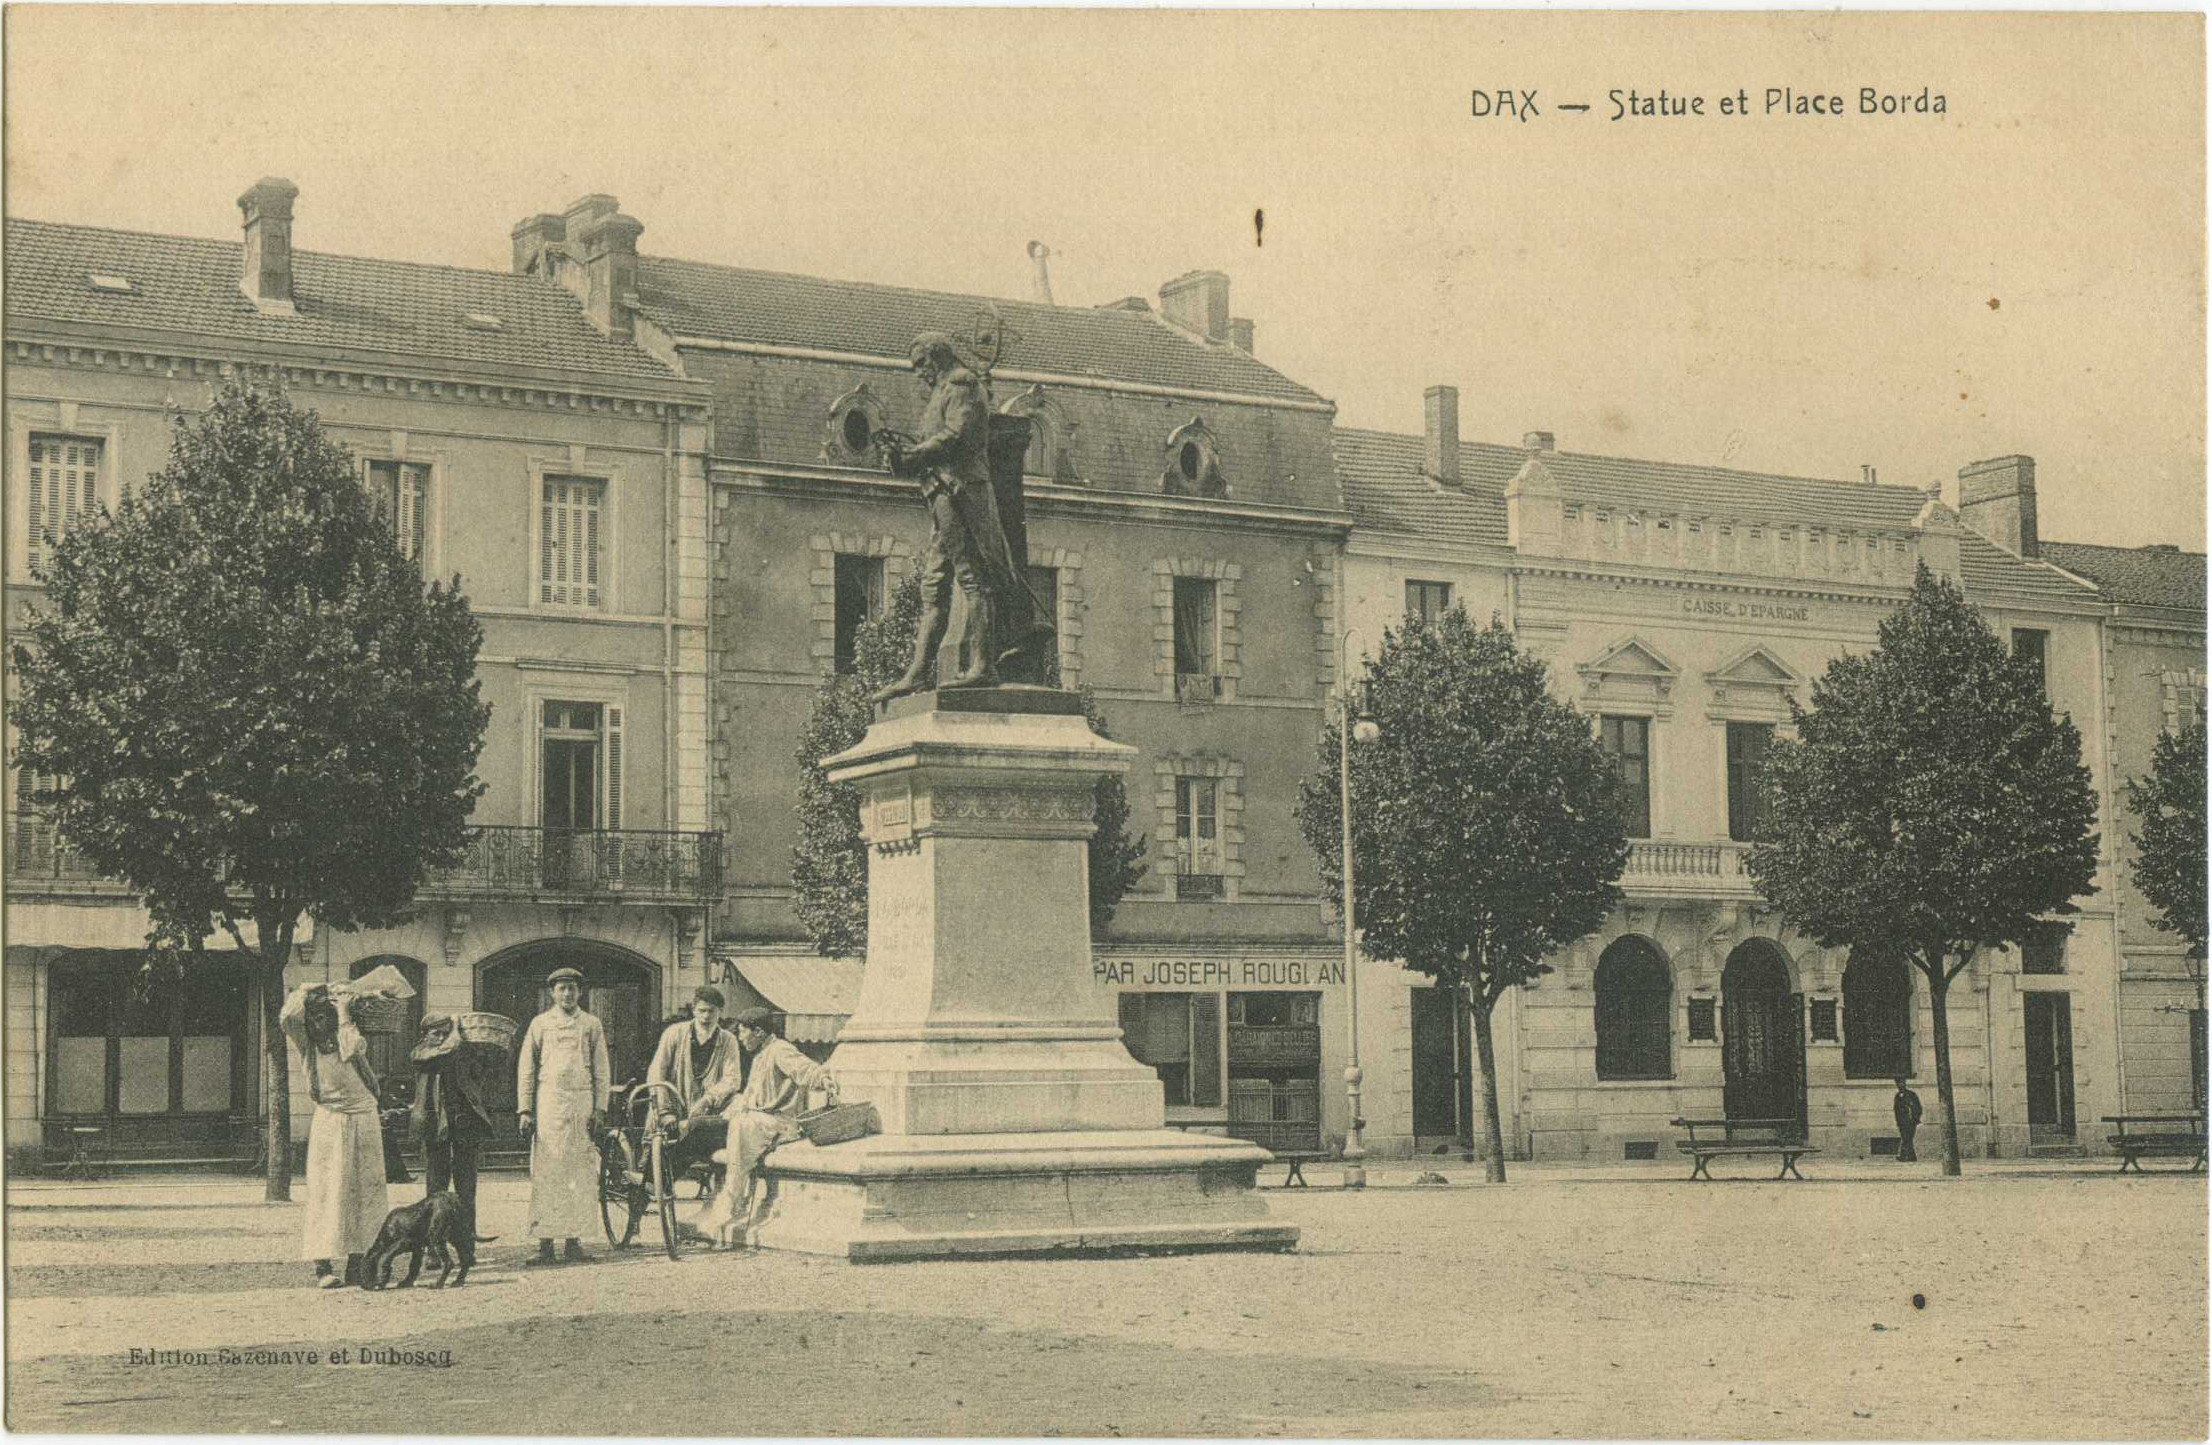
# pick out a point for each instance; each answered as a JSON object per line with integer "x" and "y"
{"x": 1240, "y": 334}
{"x": 1039, "y": 253}
{"x": 266, "y": 208}
{"x": 1198, "y": 301}
{"x": 609, "y": 242}
{"x": 533, "y": 237}
{"x": 1440, "y": 415}
{"x": 1997, "y": 499}
{"x": 1538, "y": 441}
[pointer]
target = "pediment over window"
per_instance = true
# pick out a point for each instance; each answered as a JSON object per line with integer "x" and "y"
{"x": 1756, "y": 678}
{"x": 1630, "y": 669}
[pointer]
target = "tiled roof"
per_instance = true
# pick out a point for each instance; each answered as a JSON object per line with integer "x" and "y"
{"x": 186, "y": 285}
{"x": 1385, "y": 491}
{"x": 773, "y": 308}
{"x": 2143, "y": 576}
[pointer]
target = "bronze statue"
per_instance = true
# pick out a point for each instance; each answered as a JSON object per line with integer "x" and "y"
{"x": 964, "y": 459}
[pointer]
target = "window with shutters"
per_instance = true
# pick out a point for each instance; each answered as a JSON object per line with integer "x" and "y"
{"x": 1627, "y": 740}
{"x": 1197, "y": 631}
{"x": 34, "y": 846}
{"x": 569, "y": 541}
{"x": 580, "y": 792}
{"x": 63, "y": 488}
{"x": 1198, "y": 837}
{"x": 401, "y": 491}
{"x": 1877, "y": 1016}
{"x": 1179, "y": 1036}
{"x": 860, "y": 594}
{"x": 1747, "y": 804}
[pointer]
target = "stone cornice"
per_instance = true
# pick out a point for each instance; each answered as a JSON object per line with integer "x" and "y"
{"x": 1043, "y": 499}
{"x": 1710, "y": 582}
{"x": 170, "y": 355}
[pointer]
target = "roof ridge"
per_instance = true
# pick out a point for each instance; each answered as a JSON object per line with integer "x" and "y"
{"x": 2149, "y": 549}
{"x": 296, "y": 250}
{"x": 889, "y": 286}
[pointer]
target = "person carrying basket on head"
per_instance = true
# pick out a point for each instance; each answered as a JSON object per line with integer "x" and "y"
{"x": 346, "y": 1194}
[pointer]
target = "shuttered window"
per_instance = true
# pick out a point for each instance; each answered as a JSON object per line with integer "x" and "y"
{"x": 568, "y": 545}
{"x": 1627, "y": 740}
{"x": 1747, "y": 805}
{"x": 64, "y": 483}
{"x": 401, "y": 490}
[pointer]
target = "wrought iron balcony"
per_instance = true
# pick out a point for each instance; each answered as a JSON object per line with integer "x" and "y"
{"x": 1199, "y": 887}
{"x": 601, "y": 865}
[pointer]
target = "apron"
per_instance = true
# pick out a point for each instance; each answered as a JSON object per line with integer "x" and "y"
{"x": 346, "y": 1197}
{"x": 564, "y": 1165}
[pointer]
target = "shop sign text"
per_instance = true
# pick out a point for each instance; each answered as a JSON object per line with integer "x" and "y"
{"x": 1217, "y": 973}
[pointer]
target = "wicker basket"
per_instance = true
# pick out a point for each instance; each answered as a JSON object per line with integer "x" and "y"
{"x": 839, "y": 1123}
{"x": 373, "y": 1013}
{"x": 497, "y": 1030}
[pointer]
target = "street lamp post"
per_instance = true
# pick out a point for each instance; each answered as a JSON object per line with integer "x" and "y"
{"x": 1350, "y": 727}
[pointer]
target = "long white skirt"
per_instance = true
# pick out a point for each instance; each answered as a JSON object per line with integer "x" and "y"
{"x": 346, "y": 1195}
{"x": 564, "y": 1178}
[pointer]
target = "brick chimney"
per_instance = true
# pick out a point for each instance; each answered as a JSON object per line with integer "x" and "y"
{"x": 607, "y": 242}
{"x": 1040, "y": 272}
{"x": 533, "y": 237}
{"x": 1440, "y": 434}
{"x": 1997, "y": 499}
{"x": 1240, "y": 334}
{"x": 267, "y": 278}
{"x": 1198, "y": 301}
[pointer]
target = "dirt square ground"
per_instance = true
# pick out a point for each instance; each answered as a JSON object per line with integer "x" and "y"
{"x": 1869, "y": 1301}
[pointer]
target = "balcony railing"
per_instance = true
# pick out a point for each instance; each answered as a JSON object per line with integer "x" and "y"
{"x": 602, "y": 864}
{"x": 1687, "y": 865}
{"x": 598, "y": 865}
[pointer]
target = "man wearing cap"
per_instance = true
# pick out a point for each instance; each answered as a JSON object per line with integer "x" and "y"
{"x": 698, "y": 1059}
{"x": 561, "y": 1087}
{"x": 764, "y": 1114}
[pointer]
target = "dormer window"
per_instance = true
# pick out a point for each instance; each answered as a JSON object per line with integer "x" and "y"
{"x": 114, "y": 285}
{"x": 1193, "y": 462}
{"x": 483, "y": 321}
{"x": 848, "y": 436}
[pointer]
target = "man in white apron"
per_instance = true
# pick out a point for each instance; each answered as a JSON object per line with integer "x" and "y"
{"x": 561, "y": 1088}
{"x": 346, "y": 1196}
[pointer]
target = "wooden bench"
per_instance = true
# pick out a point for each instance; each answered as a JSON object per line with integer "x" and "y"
{"x": 1712, "y": 1139}
{"x": 2157, "y": 1136}
{"x": 1298, "y": 1159}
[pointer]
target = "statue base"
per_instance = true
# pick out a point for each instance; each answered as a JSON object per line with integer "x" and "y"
{"x": 1015, "y": 1120}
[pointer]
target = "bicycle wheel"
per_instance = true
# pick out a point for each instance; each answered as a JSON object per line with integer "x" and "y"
{"x": 616, "y": 1193}
{"x": 665, "y": 1189}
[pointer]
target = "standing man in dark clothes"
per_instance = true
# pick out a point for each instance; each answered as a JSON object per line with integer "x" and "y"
{"x": 450, "y": 1117}
{"x": 1907, "y": 1108}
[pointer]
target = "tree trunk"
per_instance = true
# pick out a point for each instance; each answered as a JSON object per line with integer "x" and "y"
{"x": 1938, "y": 990}
{"x": 276, "y": 1064}
{"x": 1478, "y": 1011}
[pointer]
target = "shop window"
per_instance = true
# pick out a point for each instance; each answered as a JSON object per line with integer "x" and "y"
{"x": 1428, "y": 600}
{"x": 1877, "y": 1016}
{"x": 1627, "y": 740}
{"x": 860, "y": 598}
{"x": 1275, "y": 1069}
{"x": 64, "y": 484}
{"x": 401, "y": 491}
{"x": 1747, "y": 803}
{"x": 1179, "y": 1036}
{"x": 1634, "y": 1007}
{"x": 568, "y": 541}
{"x": 147, "y": 1042}
{"x": 2029, "y": 645}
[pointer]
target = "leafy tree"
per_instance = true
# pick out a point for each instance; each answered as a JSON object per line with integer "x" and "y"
{"x": 1486, "y": 832}
{"x": 257, "y": 708}
{"x": 1931, "y": 806}
{"x": 829, "y": 867}
{"x": 2170, "y": 851}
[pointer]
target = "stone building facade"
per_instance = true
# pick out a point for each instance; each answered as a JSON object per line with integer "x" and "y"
{"x": 559, "y": 470}
{"x": 1184, "y": 523}
{"x": 1682, "y": 608}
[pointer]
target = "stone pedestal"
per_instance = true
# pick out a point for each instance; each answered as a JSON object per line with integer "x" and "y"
{"x": 1014, "y": 1120}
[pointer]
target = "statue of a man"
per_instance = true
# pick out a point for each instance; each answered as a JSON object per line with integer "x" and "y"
{"x": 967, "y": 545}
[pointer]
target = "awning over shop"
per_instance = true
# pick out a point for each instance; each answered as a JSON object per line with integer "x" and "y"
{"x": 814, "y": 995}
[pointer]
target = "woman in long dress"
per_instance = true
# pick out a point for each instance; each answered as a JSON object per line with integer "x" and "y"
{"x": 346, "y": 1195}
{"x": 561, "y": 1084}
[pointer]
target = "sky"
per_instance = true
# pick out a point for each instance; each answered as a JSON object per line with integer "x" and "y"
{"x": 1780, "y": 291}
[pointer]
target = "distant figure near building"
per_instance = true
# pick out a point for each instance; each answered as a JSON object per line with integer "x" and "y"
{"x": 968, "y": 543}
{"x": 1907, "y": 1107}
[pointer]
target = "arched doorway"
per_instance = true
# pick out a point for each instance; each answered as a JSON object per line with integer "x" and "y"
{"x": 1762, "y": 1035}
{"x": 621, "y": 989}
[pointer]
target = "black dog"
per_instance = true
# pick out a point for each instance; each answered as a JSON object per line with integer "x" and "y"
{"x": 432, "y": 1226}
